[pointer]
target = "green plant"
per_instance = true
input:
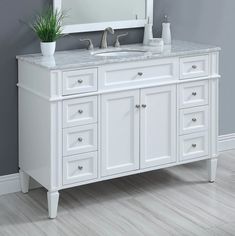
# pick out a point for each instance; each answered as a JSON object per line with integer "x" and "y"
{"x": 48, "y": 25}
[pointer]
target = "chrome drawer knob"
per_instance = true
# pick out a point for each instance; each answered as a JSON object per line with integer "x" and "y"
{"x": 140, "y": 73}
{"x": 137, "y": 106}
{"x": 144, "y": 105}
{"x": 80, "y": 81}
{"x": 194, "y": 67}
{"x": 79, "y": 139}
{"x": 80, "y": 167}
{"x": 194, "y": 93}
{"x": 194, "y": 145}
{"x": 194, "y": 119}
{"x": 80, "y": 111}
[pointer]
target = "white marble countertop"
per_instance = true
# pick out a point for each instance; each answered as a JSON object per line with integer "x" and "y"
{"x": 84, "y": 58}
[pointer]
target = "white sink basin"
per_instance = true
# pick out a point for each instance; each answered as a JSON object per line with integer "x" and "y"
{"x": 120, "y": 53}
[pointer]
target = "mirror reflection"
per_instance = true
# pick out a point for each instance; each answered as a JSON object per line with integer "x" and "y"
{"x": 95, "y": 11}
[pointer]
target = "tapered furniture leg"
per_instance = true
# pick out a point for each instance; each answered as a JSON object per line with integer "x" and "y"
{"x": 212, "y": 168}
{"x": 53, "y": 200}
{"x": 24, "y": 182}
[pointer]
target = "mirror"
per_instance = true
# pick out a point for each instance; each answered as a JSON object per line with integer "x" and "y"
{"x": 109, "y": 10}
{"x": 94, "y": 15}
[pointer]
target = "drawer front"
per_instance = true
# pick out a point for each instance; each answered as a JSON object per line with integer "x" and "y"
{"x": 194, "y": 146}
{"x": 193, "y": 120}
{"x": 194, "y": 94}
{"x": 139, "y": 73}
{"x": 191, "y": 67}
{"x": 79, "y": 81}
{"x": 79, "y": 168}
{"x": 79, "y": 139}
{"x": 80, "y": 111}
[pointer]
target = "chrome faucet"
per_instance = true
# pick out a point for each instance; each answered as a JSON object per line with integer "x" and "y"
{"x": 104, "y": 43}
{"x": 90, "y": 45}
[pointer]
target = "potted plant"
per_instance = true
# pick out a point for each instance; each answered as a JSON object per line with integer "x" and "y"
{"x": 48, "y": 28}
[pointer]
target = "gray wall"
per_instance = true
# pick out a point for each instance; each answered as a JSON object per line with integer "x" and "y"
{"x": 212, "y": 22}
{"x": 203, "y": 21}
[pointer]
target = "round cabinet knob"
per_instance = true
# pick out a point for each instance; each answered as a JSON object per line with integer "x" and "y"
{"x": 194, "y": 120}
{"x": 80, "y": 111}
{"x": 80, "y": 167}
{"x": 80, "y": 139}
{"x": 144, "y": 105}
{"x": 194, "y": 145}
{"x": 137, "y": 106}
{"x": 140, "y": 73}
{"x": 80, "y": 81}
{"x": 194, "y": 67}
{"x": 194, "y": 93}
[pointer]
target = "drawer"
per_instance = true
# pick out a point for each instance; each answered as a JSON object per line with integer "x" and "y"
{"x": 79, "y": 139}
{"x": 191, "y": 67}
{"x": 194, "y": 94}
{"x": 79, "y": 81}
{"x": 138, "y": 73}
{"x": 80, "y": 111}
{"x": 193, "y": 120}
{"x": 79, "y": 168}
{"x": 194, "y": 146}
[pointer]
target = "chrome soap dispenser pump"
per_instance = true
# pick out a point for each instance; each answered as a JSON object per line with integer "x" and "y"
{"x": 166, "y": 31}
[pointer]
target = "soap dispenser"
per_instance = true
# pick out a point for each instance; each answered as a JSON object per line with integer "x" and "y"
{"x": 166, "y": 31}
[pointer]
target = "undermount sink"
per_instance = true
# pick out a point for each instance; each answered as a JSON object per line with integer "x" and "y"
{"x": 120, "y": 53}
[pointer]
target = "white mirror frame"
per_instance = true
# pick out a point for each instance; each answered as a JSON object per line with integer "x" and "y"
{"x": 79, "y": 28}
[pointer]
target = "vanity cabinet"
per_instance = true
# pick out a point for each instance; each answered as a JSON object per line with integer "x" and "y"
{"x": 120, "y": 132}
{"x": 138, "y": 129}
{"x": 91, "y": 120}
{"x": 158, "y": 126}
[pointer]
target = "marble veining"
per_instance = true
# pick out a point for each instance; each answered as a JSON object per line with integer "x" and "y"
{"x": 84, "y": 58}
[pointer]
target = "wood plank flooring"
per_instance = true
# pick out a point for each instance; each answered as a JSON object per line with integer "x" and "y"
{"x": 174, "y": 201}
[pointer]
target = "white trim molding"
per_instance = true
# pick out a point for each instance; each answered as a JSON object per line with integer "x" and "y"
{"x": 226, "y": 142}
{"x": 11, "y": 183}
{"x": 89, "y": 27}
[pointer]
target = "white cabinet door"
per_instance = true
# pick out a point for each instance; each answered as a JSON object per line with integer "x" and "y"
{"x": 120, "y": 132}
{"x": 158, "y": 126}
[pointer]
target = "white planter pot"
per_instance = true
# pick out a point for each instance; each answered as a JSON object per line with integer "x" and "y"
{"x": 48, "y": 49}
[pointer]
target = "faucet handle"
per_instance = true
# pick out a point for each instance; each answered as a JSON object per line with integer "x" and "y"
{"x": 90, "y": 45}
{"x": 117, "y": 43}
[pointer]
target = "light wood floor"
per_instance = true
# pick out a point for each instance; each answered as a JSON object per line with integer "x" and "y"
{"x": 175, "y": 201}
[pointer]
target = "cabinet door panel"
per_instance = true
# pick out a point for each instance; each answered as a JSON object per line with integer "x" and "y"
{"x": 120, "y": 132}
{"x": 158, "y": 126}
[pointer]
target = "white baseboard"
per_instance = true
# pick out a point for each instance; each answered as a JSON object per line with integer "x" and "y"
{"x": 226, "y": 142}
{"x": 11, "y": 183}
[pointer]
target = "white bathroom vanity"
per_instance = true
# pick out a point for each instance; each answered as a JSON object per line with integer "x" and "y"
{"x": 86, "y": 117}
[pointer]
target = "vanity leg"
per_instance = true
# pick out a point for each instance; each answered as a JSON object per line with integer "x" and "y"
{"x": 53, "y": 200}
{"x": 212, "y": 167}
{"x": 24, "y": 181}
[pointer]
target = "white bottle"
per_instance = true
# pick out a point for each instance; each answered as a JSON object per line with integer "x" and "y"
{"x": 148, "y": 33}
{"x": 166, "y": 31}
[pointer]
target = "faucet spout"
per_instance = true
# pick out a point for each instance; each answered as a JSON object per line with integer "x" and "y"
{"x": 104, "y": 43}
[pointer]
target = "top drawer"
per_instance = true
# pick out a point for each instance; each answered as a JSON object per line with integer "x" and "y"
{"x": 138, "y": 73}
{"x": 79, "y": 81}
{"x": 191, "y": 67}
